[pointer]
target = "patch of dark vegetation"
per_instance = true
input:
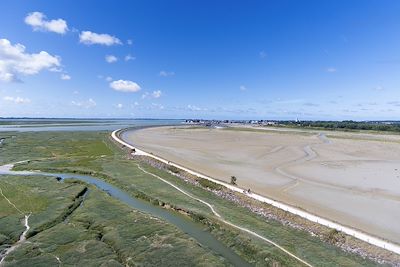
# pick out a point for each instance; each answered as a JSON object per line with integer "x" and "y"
{"x": 334, "y": 237}
{"x": 346, "y": 125}
{"x": 233, "y": 180}
{"x": 209, "y": 184}
{"x": 173, "y": 169}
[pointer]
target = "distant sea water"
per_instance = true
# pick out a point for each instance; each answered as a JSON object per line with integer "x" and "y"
{"x": 43, "y": 125}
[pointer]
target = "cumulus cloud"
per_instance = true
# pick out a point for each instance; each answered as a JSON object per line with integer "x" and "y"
{"x": 14, "y": 61}
{"x": 90, "y": 103}
{"x": 156, "y": 94}
{"x": 64, "y": 76}
{"x": 331, "y": 69}
{"x": 111, "y": 58}
{"x": 90, "y": 38}
{"x": 164, "y": 73}
{"x": 17, "y": 100}
{"x": 125, "y": 86}
{"x": 39, "y": 23}
{"x": 129, "y": 57}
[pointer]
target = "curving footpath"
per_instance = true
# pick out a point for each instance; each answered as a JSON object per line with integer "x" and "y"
{"x": 309, "y": 216}
{"x": 225, "y": 221}
{"x": 22, "y": 237}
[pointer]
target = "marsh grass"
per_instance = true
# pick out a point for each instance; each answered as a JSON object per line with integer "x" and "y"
{"x": 98, "y": 231}
{"x": 94, "y": 153}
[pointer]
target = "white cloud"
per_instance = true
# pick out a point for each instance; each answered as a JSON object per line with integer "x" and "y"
{"x": 75, "y": 103}
{"x": 193, "y": 108}
{"x": 39, "y": 23}
{"x": 125, "y": 86}
{"x": 263, "y": 54}
{"x": 129, "y": 57}
{"x": 65, "y": 77}
{"x": 17, "y": 100}
{"x": 119, "y": 106}
{"x": 14, "y": 61}
{"x": 129, "y": 42}
{"x": 111, "y": 58}
{"x": 331, "y": 69}
{"x": 164, "y": 73}
{"x": 242, "y": 88}
{"x": 90, "y": 38}
{"x": 55, "y": 69}
{"x": 156, "y": 94}
{"x": 90, "y": 103}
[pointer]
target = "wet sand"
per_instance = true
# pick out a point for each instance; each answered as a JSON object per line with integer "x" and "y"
{"x": 349, "y": 178}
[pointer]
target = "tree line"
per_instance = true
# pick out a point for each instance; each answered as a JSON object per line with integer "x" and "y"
{"x": 346, "y": 125}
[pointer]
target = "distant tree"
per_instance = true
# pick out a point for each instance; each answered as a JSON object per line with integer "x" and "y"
{"x": 233, "y": 180}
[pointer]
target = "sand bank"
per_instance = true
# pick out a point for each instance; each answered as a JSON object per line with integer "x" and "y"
{"x": 352, "y": 180}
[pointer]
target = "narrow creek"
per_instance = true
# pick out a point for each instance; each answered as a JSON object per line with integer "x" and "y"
{"x": 193, "y": 229}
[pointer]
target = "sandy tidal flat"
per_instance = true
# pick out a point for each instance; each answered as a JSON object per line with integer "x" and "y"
{"x": 353, "y": 179}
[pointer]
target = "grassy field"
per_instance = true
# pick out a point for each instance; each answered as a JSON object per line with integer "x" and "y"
{"x": 92, "y": 230}
{"x": 94, "y": 153}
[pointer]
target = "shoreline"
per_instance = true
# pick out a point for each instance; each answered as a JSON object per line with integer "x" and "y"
{"x": 373, "y": 240}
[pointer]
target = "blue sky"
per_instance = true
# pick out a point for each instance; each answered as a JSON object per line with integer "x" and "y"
{"x": 201, "y": 59}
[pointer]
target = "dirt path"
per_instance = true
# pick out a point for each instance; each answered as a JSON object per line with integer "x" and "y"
{"x": 22, "y": 237}
{"x": 225, "y": 221}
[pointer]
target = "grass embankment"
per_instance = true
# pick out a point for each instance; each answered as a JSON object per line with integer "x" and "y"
{"x": 95, "y": 153}
{"x": 96, "y": 230}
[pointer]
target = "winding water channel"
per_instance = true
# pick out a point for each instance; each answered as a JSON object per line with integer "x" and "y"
{"x": 195, "y": 230}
